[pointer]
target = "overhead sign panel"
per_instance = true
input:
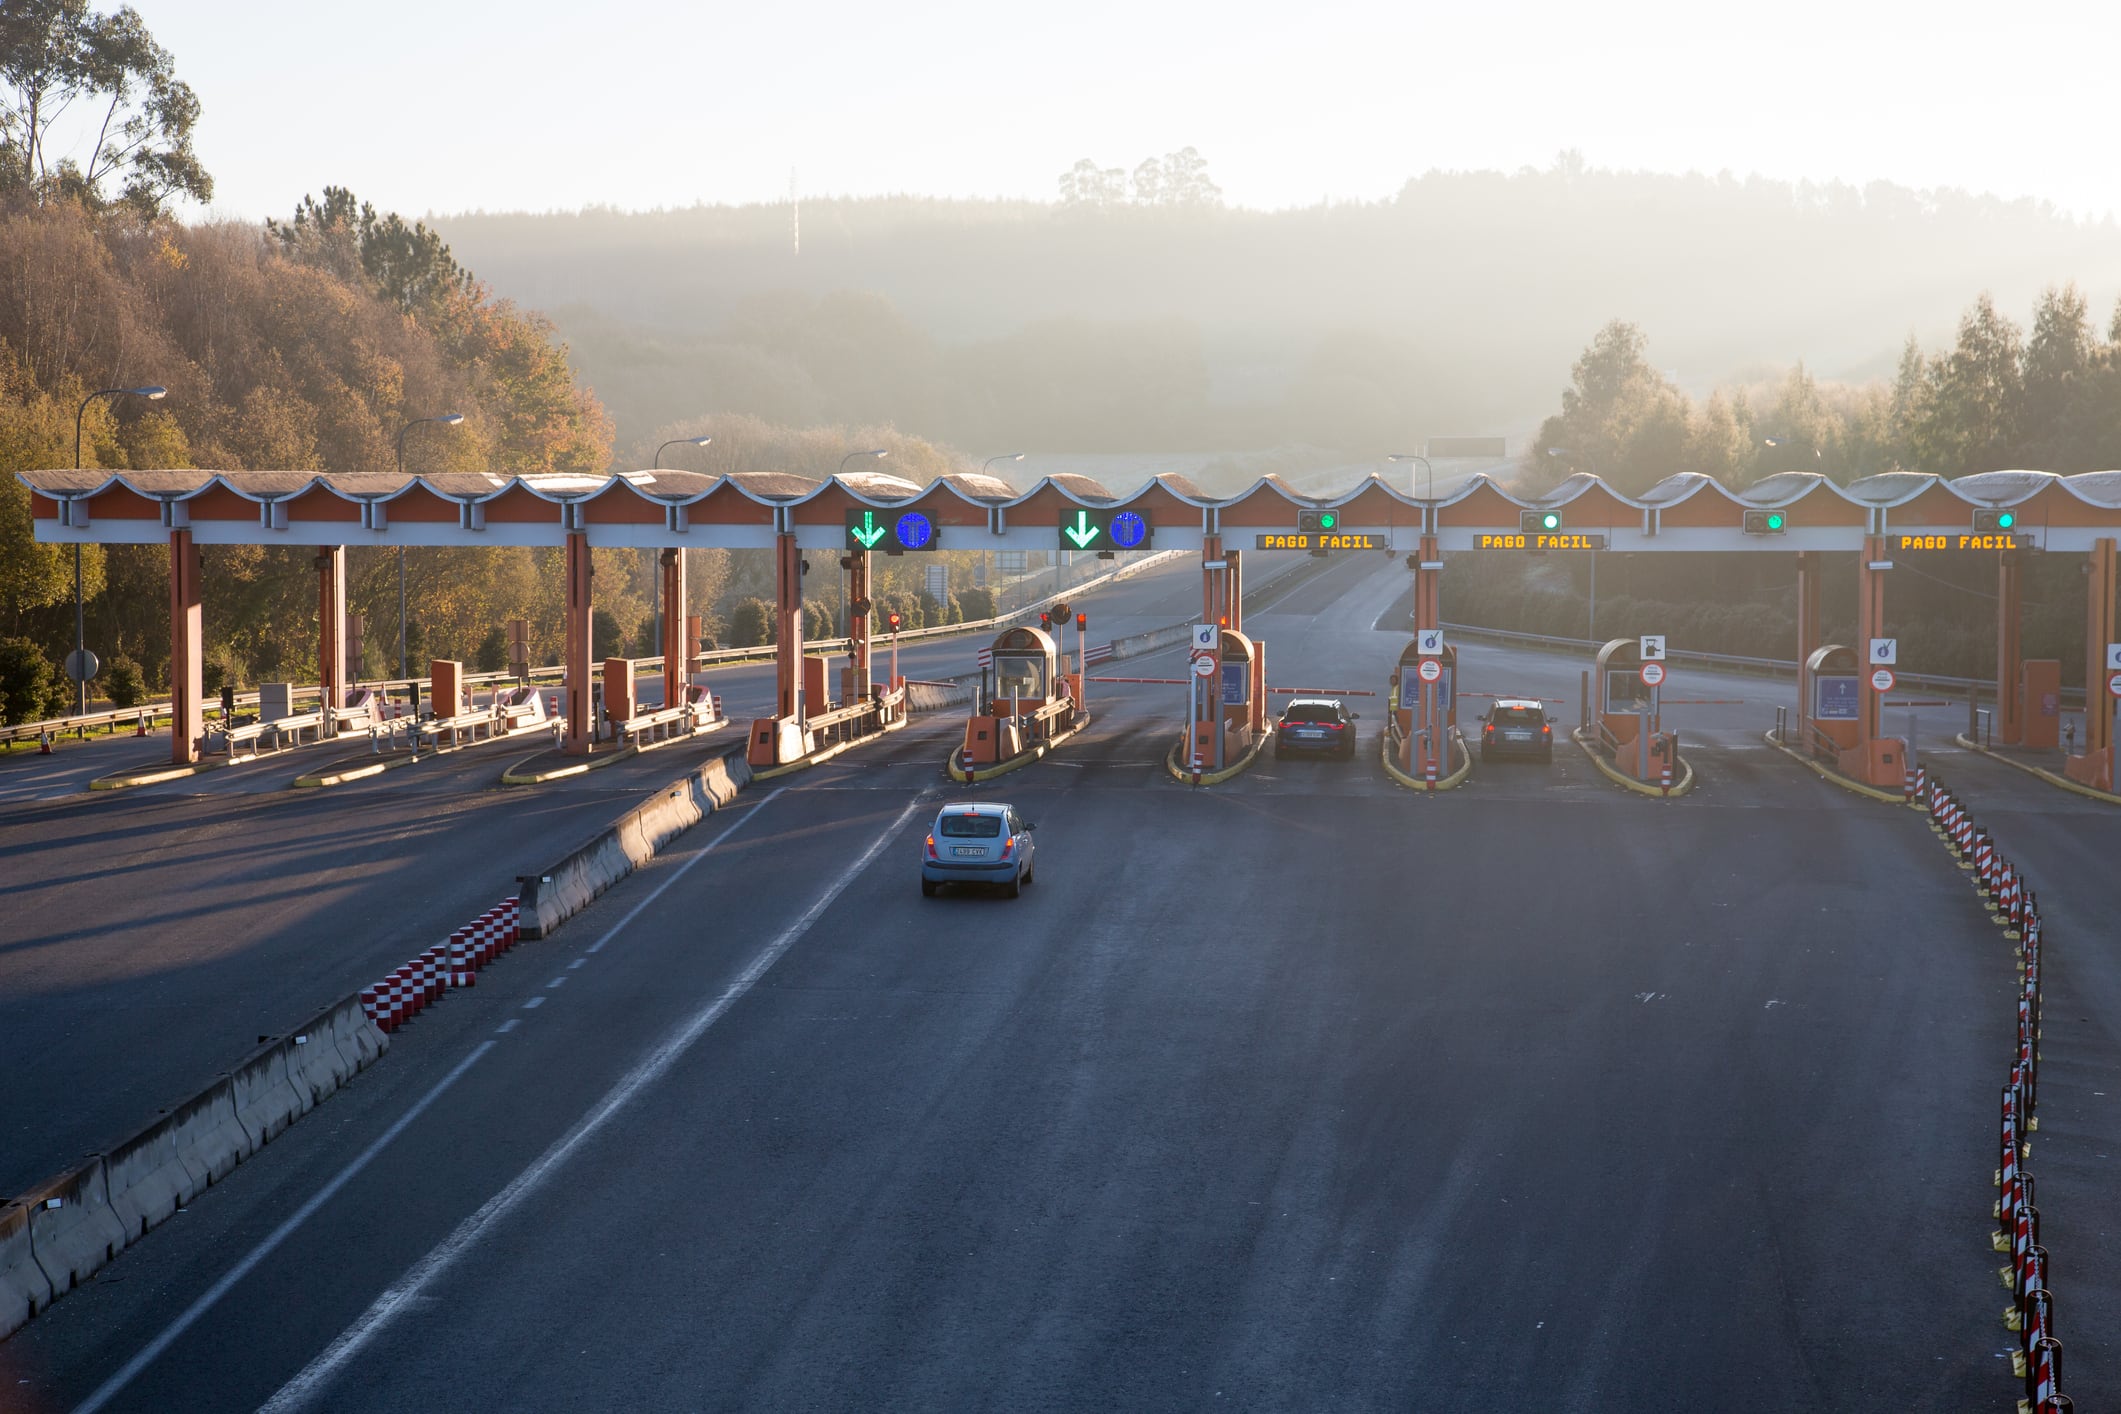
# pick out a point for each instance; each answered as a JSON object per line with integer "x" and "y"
{"x": 1319, "y": 541}
{"x": 1965, "y": 540}
{"x": 891, "y": 531}
{"x": 1088, "y": 529}
{"x": 1539, "y": 540}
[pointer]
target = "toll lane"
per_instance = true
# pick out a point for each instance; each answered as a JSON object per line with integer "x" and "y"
{"x": 1318, "y": 1097}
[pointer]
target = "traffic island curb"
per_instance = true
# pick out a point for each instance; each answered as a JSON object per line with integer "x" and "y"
{"x": 1014, "y": 763}
{"x": 524, "y": 773}
{"x": 1858, "y": 787}
{"x": 1187, "y": 777}
{"x": 153, "y": 775}
{"x": 1453, "y": 781}
{"x": 1684, "y": 784}
{"x": 819, "y": 758}
{"x": 2075, "y": 787}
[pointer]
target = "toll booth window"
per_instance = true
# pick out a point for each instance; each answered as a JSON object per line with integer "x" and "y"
{"x": 1020, "y": 675}
{"x": 1520, "y": 716}
{"x": 1625, "y": 691}
{"x": 1310, "y": 712}
{"x": 971, "y": 827}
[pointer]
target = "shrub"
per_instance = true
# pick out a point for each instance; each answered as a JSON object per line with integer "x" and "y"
{"x": 751, "y": 624}
{"x": 123, "y": 683}
{"x": 26, "y": 681}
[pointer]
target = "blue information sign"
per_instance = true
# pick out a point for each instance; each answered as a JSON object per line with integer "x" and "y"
{"x": 1237, "y": 683}
{"x": 915, "y": 531}
{"x": 1835, "y": 699}
{"x": 1129, "y": 530}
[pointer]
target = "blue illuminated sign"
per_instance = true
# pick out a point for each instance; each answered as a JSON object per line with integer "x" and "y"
{"x": 1129, "y": 530}
{"x": 1237, "y": 684}
{"x": 1835, "y": 699}
{"x": 915, "y": 531}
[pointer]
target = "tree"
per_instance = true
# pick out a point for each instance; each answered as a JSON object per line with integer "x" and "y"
{"x": 751, "y": 624}
{"x": 409, "y": 265}
{"x": 123, "y": 683}
{"x": 2058, "y": 357}
{"x": 55, "y": 54}
{"x": 1185, "y": 180}
{"x": 1619, "y": 416}
{"x": 1089, "y": 186}
{"x": 26, "y": 681}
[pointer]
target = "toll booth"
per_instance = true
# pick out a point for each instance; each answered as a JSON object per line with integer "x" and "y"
{"x": 1833, "y": 719}
{"x": 1025, "y": 698}
{"x": 1629, "y": 718}
{"x": 1426, "y": 709}
{"x": 1227, "y": 702}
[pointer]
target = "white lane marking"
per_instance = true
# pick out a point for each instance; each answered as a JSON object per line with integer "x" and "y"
{"x": 507, "y": 1026}
{"x": 556, "y": 981}
{"x": 110, "y": 1387}
{"x": 279, "y": 1234}
{"x": 635, "y": 911}
{"x": 306, "y": 1386}
{"x": 576, "y": 963}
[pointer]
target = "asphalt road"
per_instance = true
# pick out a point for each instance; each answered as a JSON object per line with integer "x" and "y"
{"x": 1302, "y": 1093}
{"x": 148, "y": 938}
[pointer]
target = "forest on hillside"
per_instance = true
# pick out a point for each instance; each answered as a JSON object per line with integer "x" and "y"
{"x": 1097, "y": 325}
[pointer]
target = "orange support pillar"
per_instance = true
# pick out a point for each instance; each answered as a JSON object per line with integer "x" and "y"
{"x": 1214, "y": 586}
{"x": 2095, "y": 767}
{"x": 1234, "y": 589}
{"x": 581, "y": 725}
{"x": 1810, "y": 570}
{"x": 2010, "y": 687}
{"x": 331, "y": 628}
{"x": 676, "y": 662}
{"x": 186, "y": 650}
{"x": 788, "y": 612}
{"x": 1870, "y": 624}
{"x": 1426, "y": 746}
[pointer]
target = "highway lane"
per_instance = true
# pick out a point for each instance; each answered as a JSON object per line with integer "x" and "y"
{"x": 1288, "y": 1096}
{"x": 148, "y": 938}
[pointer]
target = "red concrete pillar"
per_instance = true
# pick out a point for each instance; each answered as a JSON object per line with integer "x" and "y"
{"x": 331, "y": 629}
{"x": 581, "y": 724}
{"x": 676, "y": 663}
{"x": 1428, "y": 607}
{"x": 2010, "y": 695}
{"x": 186, "y": 650}
{"x": 858, "y": 616}
{"x": 1870, "y": 624}
{"x": 1426, "y": 744}
{"x": 788, "y": 612}
{"x": 1810, "y": 570}
{"x": 1234, "y": 589}
{"x": 2098, "y": 632}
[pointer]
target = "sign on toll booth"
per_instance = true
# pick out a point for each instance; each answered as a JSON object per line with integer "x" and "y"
{"x": 1885, "y": 652}
{"x": 1103, "y": 529}
{"x": 1205, "y": 638}
{"x": 1428, "y": 642}
{"x": 1652, "y": 649}
{"x": 1835, "y": 698}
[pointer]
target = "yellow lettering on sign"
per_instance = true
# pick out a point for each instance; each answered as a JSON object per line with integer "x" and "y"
{"x": 1565, "y": 542}
{"x": 1498, "y": 542}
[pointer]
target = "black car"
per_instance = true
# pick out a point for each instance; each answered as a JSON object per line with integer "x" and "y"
{"x": 1516, "y": 726}
{"x": 1315, "y": 724}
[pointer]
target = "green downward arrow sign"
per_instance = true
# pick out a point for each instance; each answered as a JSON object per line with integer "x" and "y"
{"x": 868, "y": 532}
{"x": 1082, "y": 532}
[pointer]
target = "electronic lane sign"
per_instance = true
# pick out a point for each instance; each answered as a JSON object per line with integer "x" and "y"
{"x": 1105, "y": 530}
{"x": 1533, "y": 540}
{"x": 891, "y": 533}
{"x": 1320, "y": 541}
{"x": 1964, "y": 540}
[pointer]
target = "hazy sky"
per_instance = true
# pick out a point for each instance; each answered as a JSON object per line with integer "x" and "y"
{"x": 447, "y": 106}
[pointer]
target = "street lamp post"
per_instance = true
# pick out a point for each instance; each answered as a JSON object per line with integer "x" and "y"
{"x": 986, "y": 574}
{"x": 1428, "y": 473}
{"x": 879, "y": 453}
{"x": 80, "y": 611}
{"x": 1817, "y": 454}
{"x": 1571, "y": 454}
{"x": 655, "y": 589}
{"x": 446, "y": 419}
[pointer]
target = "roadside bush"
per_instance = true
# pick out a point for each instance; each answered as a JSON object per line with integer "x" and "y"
{"x": 976, "y": 604}
{"x": 492, "y": 653}
{"x": 27, "y": 679}
{"x": 751, "y": 624}
{"x": 123, "y": 683}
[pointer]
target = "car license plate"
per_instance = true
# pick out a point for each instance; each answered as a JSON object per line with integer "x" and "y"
{"x": 1519, "y": 736}
{"x": 968, "y": 849}
{"x": 1312, "y": 732}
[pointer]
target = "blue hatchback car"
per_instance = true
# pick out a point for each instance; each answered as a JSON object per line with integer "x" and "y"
{"x": 977, "y": 842}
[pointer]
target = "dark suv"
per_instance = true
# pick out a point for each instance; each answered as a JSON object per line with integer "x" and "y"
{"x": 1315, "y": 724}
{"x": 1516, "y": 726}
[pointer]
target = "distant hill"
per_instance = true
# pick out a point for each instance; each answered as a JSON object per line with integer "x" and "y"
{"x": 1455, "y": 309}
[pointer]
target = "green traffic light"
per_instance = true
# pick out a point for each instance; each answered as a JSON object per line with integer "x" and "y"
{"x": 2005, "y": 520}
{"x": 1774, "y": 520}
{"x": 1327, "y": 520}
{"x": 1551, "y": 520}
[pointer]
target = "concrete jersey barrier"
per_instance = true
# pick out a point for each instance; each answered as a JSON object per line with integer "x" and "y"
{"x": 557, "y": 893}
{"x": 56, "y": 1236}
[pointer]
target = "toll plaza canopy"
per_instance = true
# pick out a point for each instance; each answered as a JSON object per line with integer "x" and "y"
{"x": 663, "y": 509}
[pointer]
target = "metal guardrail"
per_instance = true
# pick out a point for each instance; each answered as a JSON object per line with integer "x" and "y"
{"x": 153, "y": 712}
